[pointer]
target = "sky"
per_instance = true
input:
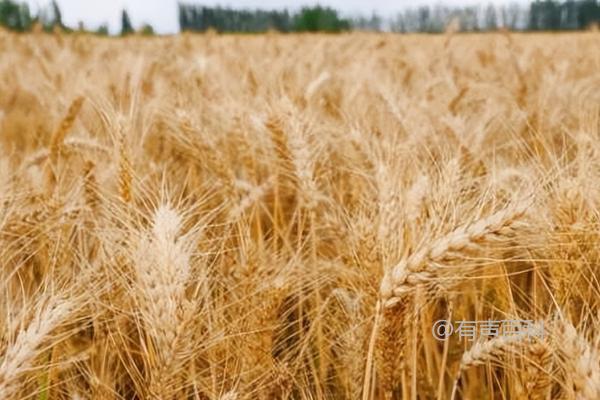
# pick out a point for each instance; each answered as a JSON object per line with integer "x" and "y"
{"x": 162, "y": 14}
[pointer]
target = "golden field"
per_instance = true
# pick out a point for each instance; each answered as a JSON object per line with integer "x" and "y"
{"x": 288, "y": 216}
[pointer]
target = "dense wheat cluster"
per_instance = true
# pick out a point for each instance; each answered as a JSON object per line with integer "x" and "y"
{"x": 287, "y": 216}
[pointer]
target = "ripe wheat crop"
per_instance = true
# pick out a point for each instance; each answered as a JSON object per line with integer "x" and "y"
{"x": 288, "y": 216}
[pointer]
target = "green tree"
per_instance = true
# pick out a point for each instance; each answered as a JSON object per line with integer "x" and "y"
{"x": 491, "y": 21}
{"x": 588, "y": 13}
{"x": 126, "y": 26}
{"x": 15, "y": 16}
{"x": 102, "y": 30}
{"x": 544, "y": 15}
{"x": 147, "y": 30}
{"x": 56, "y": 14}
{"x": 313, "y": 19}
{"x": 50, "y": 17}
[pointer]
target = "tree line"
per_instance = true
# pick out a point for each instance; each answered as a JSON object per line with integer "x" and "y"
{"x": 540, "y": 15}
{"x": 546, "y": 15}
{"x": 200, "y": 18}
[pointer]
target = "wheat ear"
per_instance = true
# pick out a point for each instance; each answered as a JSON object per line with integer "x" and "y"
{"x": 90, "y": 186}
{"x": 57, "y": 140}
{"x": 65, "y": 126}
{"x": 163, "y": 263}
{"x": 125, "y": 171}
{"x": 485, "y": 351}
{"x": 538, "y": 362}
{"x": 20, "y": 355}
{"x": 423, "y": 266}
{"x": 582, "y": 363}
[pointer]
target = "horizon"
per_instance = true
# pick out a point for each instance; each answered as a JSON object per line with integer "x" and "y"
{"x": 162, "y": 14}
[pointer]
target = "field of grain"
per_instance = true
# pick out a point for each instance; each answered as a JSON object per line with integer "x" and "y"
{"x": 288, "y": 216}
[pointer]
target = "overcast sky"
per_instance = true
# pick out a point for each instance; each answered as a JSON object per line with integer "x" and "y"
{"x": 162, "y": 14}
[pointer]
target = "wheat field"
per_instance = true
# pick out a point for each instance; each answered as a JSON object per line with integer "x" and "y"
{"x": 288, "y": 216}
